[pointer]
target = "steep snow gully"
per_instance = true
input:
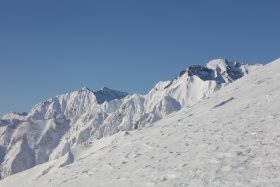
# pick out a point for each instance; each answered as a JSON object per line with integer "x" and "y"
{"x": 56, "y": 132}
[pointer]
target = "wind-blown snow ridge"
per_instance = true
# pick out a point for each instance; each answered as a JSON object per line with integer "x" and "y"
{"x": 53, "y": 128}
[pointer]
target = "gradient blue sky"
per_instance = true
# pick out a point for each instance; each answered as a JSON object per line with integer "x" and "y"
{"x": 56, "y": 46}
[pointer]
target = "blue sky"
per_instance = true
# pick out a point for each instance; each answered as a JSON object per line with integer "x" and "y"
{"x": 52, "y": 47}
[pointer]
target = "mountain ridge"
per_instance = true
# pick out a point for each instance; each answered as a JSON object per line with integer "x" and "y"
{"x": 64, "y": 122}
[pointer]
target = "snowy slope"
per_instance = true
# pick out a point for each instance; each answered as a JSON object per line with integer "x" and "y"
{"x": 228, "y": 139}
{"x": 52, "y": 129}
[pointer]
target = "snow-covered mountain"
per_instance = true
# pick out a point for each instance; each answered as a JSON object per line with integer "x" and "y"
{"x": 68, "y": 105}
{"x": 230, "y": 138}
{"x": 51, "y": 129}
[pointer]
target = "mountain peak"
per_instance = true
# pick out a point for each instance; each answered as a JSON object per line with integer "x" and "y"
{"x": 217, "y": 63}
{"x": 84, "y": 89}
{"x": 105, "y": 89}
{"x": 221, "y": 70}
{"x": 107, "y": 94}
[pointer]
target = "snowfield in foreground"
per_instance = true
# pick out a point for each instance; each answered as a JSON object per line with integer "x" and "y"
{"x": 231, "y": 138}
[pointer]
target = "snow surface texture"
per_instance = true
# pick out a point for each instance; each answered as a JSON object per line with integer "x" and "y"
{"x": 56, "y": 128}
